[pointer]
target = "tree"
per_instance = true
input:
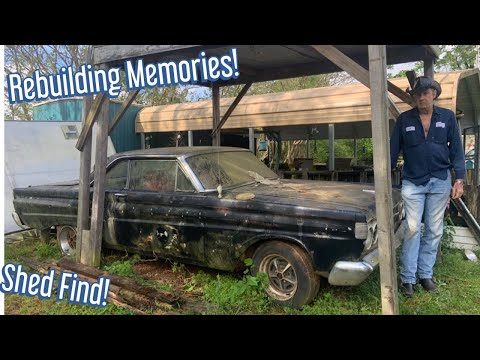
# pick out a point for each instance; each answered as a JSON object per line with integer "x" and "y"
{"x": 25, "y": 59}
{"x": 452, "y": 57}
{"x": 456, "y": 57}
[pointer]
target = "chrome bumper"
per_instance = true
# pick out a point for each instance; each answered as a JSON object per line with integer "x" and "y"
{"x": 17, "y": 220}
{"x": 350, "y": 273}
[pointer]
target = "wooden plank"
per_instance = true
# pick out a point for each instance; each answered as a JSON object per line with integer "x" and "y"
{"x": 106, "y": 53}
{"x": 464, "y": 239}
{"x": 92, "y": 115}
{"x": 96, "y": 227}
{"x": 86, "y": 248}
{"x": 350, "y": 66}
{"x": 231, "y": 108}
{"x": 216, "y": 113}
{"x": 123, "y": 109}
{"x": 121, "y": 281}
{"x": 383, "y": 181}
{"x": 83, "y": 212}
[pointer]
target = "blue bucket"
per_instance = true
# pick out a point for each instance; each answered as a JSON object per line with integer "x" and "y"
{"x": 262, "y": 146}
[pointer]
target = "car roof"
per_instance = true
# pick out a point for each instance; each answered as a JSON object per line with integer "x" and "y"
{"x": 175, "y": 151}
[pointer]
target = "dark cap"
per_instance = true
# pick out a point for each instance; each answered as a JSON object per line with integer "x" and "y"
{"x": 423, "y": 83}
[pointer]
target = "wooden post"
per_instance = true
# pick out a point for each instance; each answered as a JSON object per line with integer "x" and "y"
{"x": 476, "y": 157}
{"x": 307, "y": 147}
{"x": 251, "y": 140}
{"x": 383, "y": 181}
{"x": 279, "y": 152}
{"x": 428, "y": 67}
{"x": 190, "y": 138}
{"x": 96, "y": 228}
{"x": 216, "y": 113}
{"x": 142, "y": 141}
{"x": 232, "y": 107}
{"x": 83, "y": 210}
{"x": 331, "y": 147}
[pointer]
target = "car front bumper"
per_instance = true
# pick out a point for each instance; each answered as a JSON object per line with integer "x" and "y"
{"x": 350, "y": 273}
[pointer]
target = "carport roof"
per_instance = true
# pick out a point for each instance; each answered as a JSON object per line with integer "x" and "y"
{"x": 261, "y": 62}
{"x": 295, "y": 113}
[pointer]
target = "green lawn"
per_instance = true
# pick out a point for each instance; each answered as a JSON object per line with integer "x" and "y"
{"x": 458, "y": 290}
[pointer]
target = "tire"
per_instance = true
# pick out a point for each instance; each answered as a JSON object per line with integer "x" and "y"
{"x": 67, "y": 239}
{"x": 292, "y": 279}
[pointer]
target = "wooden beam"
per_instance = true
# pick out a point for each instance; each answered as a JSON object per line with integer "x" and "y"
{"x": 83, "y": 211}
{"x": 108, "y": 53}
{"x": 359, "y": 73}
{"x": 87, "y": 126}
{"x": 231, "y": 108}
{"x": 428, "y": 64}
{"x": 383, "y": 180}
{"x": 123, "y": 109}
{"x": 96, "y": 227}
{"x": 216, "y": 114}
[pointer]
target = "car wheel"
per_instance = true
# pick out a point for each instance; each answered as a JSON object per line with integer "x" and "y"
{"x": 67, "y": 239}
{"x": 292, "y": 279}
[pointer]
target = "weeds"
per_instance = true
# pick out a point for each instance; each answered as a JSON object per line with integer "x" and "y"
{"x": 123, "y": 267}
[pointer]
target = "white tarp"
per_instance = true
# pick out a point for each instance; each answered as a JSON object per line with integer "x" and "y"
{"x": 38, "y": 153}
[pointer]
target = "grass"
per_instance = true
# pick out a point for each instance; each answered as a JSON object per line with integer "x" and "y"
{"x": 23, "y": 305}
{"x": 458, "y": 292}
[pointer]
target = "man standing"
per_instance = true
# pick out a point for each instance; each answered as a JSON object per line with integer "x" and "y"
{"x": 429, "y": 138}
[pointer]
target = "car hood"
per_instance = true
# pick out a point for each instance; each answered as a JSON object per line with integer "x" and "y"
{"x": 308, "y": 193}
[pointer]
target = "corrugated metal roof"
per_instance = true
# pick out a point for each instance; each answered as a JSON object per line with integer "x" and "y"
{"x": 334, "y": 104}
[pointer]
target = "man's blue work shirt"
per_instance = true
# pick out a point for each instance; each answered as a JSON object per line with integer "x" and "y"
{"x": 431, "y": 156}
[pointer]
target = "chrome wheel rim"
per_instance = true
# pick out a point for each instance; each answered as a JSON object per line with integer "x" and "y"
{"x": 282, "y": 277}
{"x": 67, "y": 238}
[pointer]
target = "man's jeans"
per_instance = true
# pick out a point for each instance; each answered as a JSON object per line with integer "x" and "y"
{"x": 419, "y": 251}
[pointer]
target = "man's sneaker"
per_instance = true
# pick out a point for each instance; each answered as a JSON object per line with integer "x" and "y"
{"x": 428, "y": 284}
{"x": 407, "y": 289}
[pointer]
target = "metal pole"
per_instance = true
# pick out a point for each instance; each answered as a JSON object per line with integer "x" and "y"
{"x": 331, "y": 147}
{"x": 190, "y": 138}
{"x": 251, "y": 140}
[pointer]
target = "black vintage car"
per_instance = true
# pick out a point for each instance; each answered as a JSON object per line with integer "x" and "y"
{"x": 216, "y": 206}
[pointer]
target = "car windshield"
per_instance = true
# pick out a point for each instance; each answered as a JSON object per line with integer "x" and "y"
{"x": 228, "y": 168}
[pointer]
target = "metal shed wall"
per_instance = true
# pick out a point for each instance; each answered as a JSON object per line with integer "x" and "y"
{"x": 123, "y": 136}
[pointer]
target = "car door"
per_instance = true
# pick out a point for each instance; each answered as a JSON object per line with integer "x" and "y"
{"x": 155, "y": 214}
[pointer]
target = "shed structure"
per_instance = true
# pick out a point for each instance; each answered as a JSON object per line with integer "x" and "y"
{"x": 261, "y": 63}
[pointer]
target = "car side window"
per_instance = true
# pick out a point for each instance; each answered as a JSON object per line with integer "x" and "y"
{"x": 158, "y": 175}
{"x": 183, "y": 184}
{"x": 116, "y": 177}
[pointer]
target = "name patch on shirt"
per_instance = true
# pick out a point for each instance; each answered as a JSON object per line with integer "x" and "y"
{"x": 440, "y": 124}
{"x": 410, "y": 128}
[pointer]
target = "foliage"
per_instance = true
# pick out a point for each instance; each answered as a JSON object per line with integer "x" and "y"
{"x": 452, "y": 57}
{"x": 25, "y": 59}
{"x": 229, "y": 295}
{"x": 123, "y": 267}
{"x": 448, "y": 232}
{"x": 458, "y": 288}
{"x": 456, "y": 57}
